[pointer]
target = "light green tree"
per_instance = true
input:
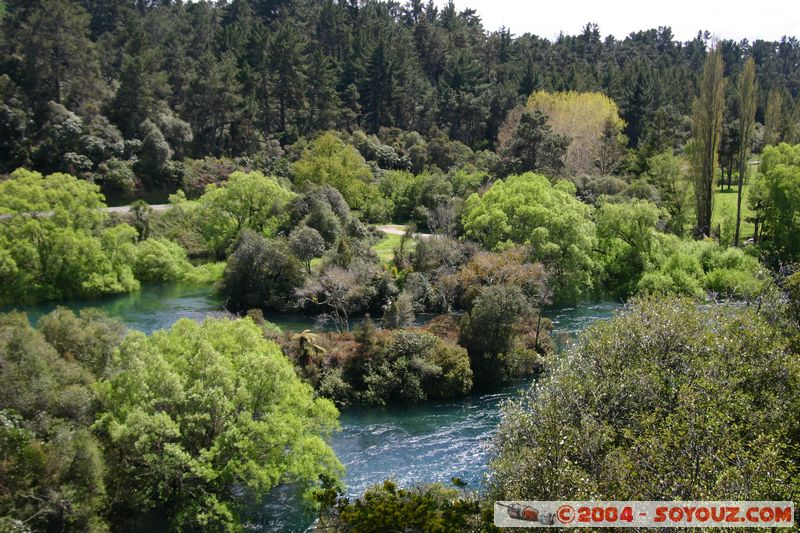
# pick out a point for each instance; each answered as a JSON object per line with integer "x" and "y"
{"x": 627, "y": 236}
{"x": 780, "y": 208}
{"x": 245, "y": 201}
{"x": 328, "y": 160}
{"x": 53, "y": 243}
{"x": 527, "y": 209}
{"x": 199, "y": 417}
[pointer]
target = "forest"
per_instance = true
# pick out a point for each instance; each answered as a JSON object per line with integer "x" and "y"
{"x": 424, "y": 195}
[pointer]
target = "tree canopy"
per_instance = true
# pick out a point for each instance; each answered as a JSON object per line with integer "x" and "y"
{"x": 193, "y": 414}
{"x": 527, "y": 209}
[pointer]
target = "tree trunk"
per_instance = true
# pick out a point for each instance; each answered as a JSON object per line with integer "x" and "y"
{"x": 742, "y": 165}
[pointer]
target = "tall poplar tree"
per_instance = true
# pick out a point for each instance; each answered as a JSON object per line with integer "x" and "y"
{"x": 773, "y": 117}
{"x": 746, "y": 86}
{"x": 707, "y": 129}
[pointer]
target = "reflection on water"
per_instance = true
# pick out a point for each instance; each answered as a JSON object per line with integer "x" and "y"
{"x": 148, "y": 309}
{"x": 409, "y": 444}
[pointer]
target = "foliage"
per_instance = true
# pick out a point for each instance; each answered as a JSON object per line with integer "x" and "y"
{"x": 491, "y": 333}
{"x": 627, "y": 237}
{"x": 707, "y": 113}
{"x": 194, "y": 412}
{"x": 389, "y": 508}
{"x": 695, "y": 268}
{"x": 53, "y": 243}
{"x": 414, "y": 366}
{"x": 339, "y": 291}
{"x": 780, "y": 166}
{"x": 260, "y": 273}
{"x": 245, "y": 201}
{"x": 306, "y": 244}
{"x": 526, "y": 209}
{"x": 89, "y": 338}
{"x": 590, "y": 120}
{"x": 668, "y": 400}
{"x": 668, "y": 173}
{"x": 51, "y": 472}
{"x": 534, "y": 146}
{"x": 245, "y": 80}
{"x": 746, "y": 100}
{"x": 160, "y": 260}
{"x": 329, "y": 161}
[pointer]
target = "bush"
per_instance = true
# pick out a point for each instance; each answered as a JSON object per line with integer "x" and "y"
{"x": 89, "y": 338}
{"x": 694, "y": 268}
{"x": 703, "y": 396}
{"x": 387, "y": 508}
{"x": 261, "y": 273}
{"x": 160, "y": 260}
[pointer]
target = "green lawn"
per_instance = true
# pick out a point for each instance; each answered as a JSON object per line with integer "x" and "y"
{"x": 725, "y": 213}
{"x": 385, "y": 247}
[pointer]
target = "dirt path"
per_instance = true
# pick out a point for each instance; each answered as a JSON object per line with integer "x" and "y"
{"x": 396, "y": 229}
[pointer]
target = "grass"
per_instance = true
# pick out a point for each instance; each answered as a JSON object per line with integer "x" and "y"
{"x": 724, "y": 213}
{"x": 385, "y": 247}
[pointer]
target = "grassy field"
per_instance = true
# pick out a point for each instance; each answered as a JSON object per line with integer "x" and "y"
{"x": 725, "y": 213}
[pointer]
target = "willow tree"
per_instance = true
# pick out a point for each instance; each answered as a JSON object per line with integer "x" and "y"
{"x": 746, "y": 96}
{"x": 707, "y": 129}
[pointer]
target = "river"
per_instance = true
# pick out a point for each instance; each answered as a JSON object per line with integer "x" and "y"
{"x": 409, "y": 444}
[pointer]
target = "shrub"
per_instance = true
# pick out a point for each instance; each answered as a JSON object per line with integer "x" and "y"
{"x": 261, "y": 273}
{"x": 160, "y": 260}
{"x": 700, "y": 395}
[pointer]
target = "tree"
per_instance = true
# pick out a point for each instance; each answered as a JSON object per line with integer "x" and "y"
{"x": 245, "y": 201}
{"x": 535, "y": 147}
{"x": 590, "y": 120}
{"x": 261, "y": 274}
{"x": 668, "y": 173}
{"x": 527, "y": 209}
{"x": 747, "y": 118}
{"x": 288, "y": 64}
{"x": 667, "y": 400}
{"x": 399, "y": 313}
{"x": 489, "y": 332}
{"x": 780, "y": 167}
{"x": 611, "y": 150}
{"x": 53, "y": 243}
{"x": 626, "y": 234}
{"x": 201, "y": 416}
{"x": 51, "y": 473}
{"x": 707, "y": 113}
{"x": 306, "y": 243}
{"x": 329, "y": 161}
{"x": 773, "y": 118}
{"x": 340, "y": 291}
{"x": 58, "y": 61}
{"x": 88, "y": 338}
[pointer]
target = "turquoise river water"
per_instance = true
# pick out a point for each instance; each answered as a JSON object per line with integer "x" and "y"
{"x": 409, "y": 444}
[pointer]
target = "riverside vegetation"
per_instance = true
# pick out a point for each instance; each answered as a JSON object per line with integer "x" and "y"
{"x": 527, "y": 173}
